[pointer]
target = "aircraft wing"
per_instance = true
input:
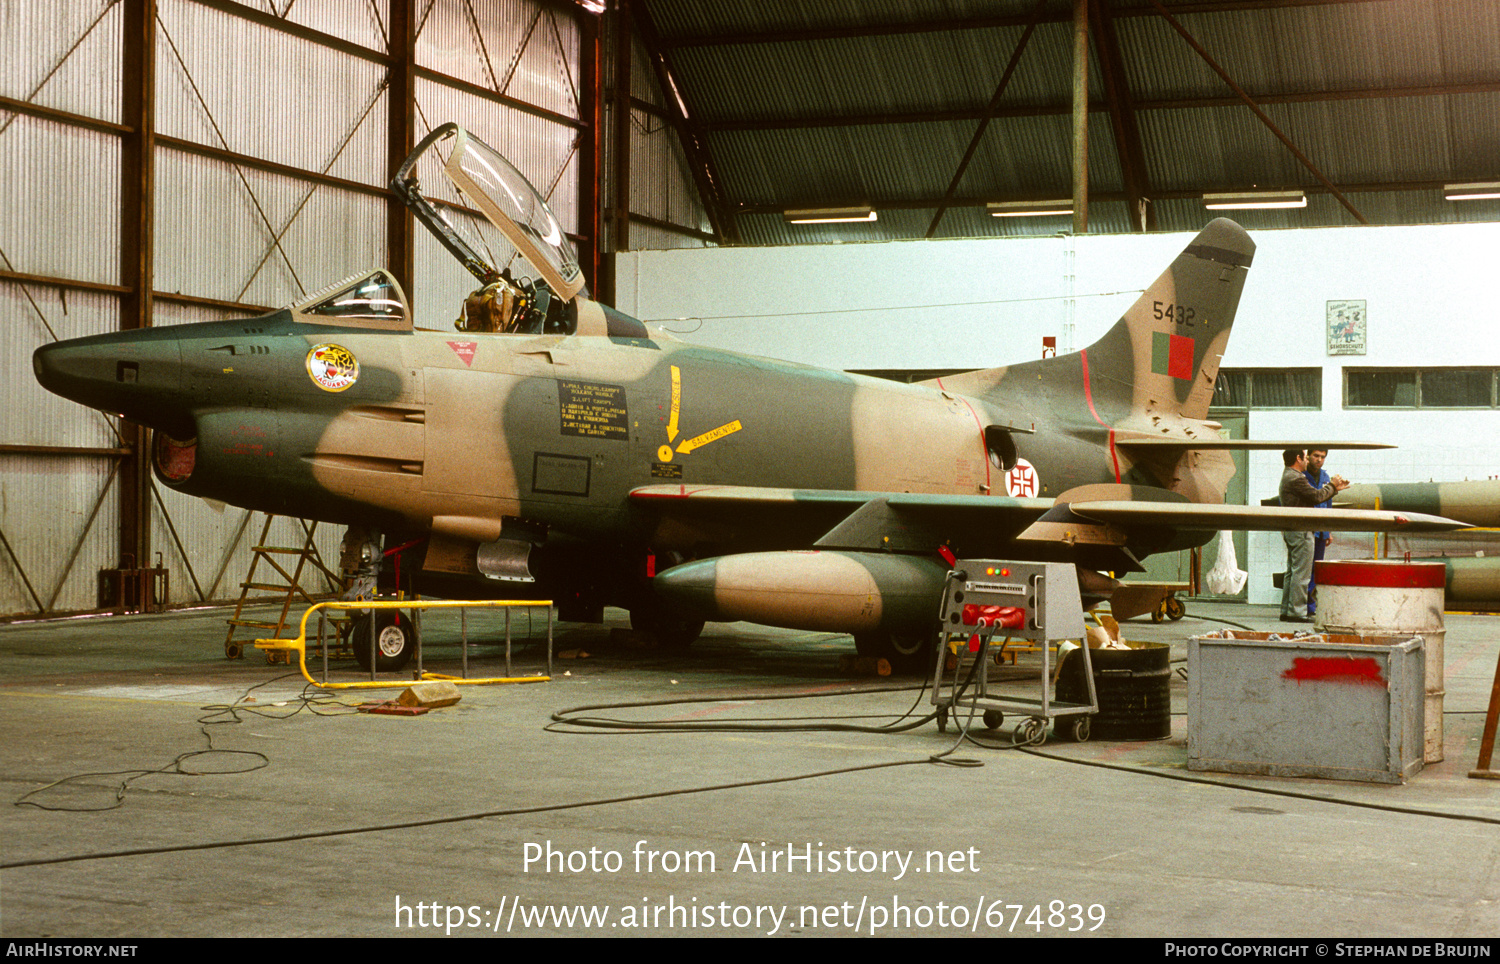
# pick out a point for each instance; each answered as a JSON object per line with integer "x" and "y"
{"x": 824, "y": 518}
{"x": 745, "y": 495}
{"x": 748, "y": 517}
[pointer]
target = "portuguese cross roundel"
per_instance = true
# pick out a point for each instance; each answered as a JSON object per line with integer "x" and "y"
{"x": 1022, "y": 481}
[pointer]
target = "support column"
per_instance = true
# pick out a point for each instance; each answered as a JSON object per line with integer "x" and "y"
{"x": 137, "y": 254}
{"x": 401, "y": 97}
{"x": 624, "y": 58}
{"x": 1080, "y": 116}
{"x": 591, "y": 146}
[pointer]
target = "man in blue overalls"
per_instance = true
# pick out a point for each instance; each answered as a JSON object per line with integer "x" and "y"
{"x": 1317, "y": 478}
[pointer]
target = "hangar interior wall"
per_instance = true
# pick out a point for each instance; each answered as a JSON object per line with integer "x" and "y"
{"x": 1432, "y": 297}
{"x": 272, "y": 139}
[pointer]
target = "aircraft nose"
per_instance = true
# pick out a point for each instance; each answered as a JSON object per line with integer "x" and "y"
{"x": 134, "y": 374}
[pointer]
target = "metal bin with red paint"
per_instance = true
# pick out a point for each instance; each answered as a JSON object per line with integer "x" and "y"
{"x": 1332, "y": 706}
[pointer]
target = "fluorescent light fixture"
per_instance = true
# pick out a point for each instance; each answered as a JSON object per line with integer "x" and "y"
{"x": 829, "y": 215}
{"x": 1246, "y": 200}
{"x": 1472, "y": 192}
{"x": 1029, "y": 209}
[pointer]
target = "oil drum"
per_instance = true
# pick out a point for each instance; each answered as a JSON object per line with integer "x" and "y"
{"x": 1382, "y": 597}
{"x": 1133, "y": 686}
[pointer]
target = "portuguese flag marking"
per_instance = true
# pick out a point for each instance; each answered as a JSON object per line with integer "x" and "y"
{"x": 1172, "y": 355}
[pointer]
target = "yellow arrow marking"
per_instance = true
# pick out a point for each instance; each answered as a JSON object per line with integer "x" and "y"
{"x": 689, "y": 444}
{"x": 676, "y": 404}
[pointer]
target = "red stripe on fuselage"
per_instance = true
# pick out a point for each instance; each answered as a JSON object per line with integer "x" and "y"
{"x": 1088, "y": 395}
{"x": 984, "y": 449}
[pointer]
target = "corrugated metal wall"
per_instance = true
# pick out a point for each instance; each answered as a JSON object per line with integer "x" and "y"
{"x": 662, "y": 198}
{"x": 271, "y": 161}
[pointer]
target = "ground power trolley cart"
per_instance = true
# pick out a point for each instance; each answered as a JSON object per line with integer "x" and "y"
{"x": 985, "y": 600}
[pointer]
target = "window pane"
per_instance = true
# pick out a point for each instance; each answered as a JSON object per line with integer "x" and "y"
{"x": 1388, "y": 389}
{"x": 1230, "y": 390}
{"x": 1296, "y": 388}
{"x": 1456, "y": 388}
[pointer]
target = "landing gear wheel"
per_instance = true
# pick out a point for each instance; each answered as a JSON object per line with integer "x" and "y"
{"x": 906, "y": 652}
{"x": 669, "y": 630}
{"x": 1031, "y": 733}
{"x": 395, "y": 640}
{"x": 1175, "y": 608}
{"x": 1077, "y": 730}
{"x": 993, "y": 719}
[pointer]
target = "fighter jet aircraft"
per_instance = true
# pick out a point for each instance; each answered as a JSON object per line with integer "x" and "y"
{"x": 547, "y": 446}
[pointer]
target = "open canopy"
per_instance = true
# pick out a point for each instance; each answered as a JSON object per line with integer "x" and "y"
{"x": 506, "y": 199}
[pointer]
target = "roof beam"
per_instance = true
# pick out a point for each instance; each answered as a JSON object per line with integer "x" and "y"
{"x": 795, "y": 34}
{"x": 1058, "y": 110}
{"x": 1173, "y": 194}
{"x": 984, "y": 123}
{"x": 1260, "y": 114}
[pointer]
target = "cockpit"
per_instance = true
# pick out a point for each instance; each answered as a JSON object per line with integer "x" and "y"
{"x": 516, "y": 308}
{"x": 529, "y": 236}
{"x": 503, "y": 234}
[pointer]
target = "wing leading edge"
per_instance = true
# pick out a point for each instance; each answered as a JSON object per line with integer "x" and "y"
{"x": 919, "y": 522}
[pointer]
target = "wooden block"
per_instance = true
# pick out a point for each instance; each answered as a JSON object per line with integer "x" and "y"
{"x": 430, "y": 694}
{"x": 864, "y": 666}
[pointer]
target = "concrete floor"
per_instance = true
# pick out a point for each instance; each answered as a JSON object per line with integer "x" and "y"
{"x": 335, "y": 823}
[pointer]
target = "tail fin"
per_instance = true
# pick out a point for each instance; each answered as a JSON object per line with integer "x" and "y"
{"x": 1162, "y": 356}
{"x": 1168, "y": 345}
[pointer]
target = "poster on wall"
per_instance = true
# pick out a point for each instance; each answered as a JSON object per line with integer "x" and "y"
{"x": 1346, "y": 327}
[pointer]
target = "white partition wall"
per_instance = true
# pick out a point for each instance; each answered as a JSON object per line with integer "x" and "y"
{"x": 1431, "y": 294}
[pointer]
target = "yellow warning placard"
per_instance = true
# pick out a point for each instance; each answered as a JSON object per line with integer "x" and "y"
{"x": 701, "y": 440}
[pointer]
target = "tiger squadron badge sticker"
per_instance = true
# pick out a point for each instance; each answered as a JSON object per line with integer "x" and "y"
{"x": 332, "y": 368}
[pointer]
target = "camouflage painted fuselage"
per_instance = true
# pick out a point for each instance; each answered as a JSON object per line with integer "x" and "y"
{"x": 462, "y": 431}
{"x": 590, "y": 447}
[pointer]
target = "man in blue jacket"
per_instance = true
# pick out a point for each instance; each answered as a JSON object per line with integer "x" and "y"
{"x": 1317, "y": 478}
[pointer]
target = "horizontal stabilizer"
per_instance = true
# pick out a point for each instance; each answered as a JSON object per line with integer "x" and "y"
{"x": 1256, "y": 518}
{"x": 1239, "y": 444}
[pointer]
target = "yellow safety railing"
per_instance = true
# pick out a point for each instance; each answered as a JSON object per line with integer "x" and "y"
{"x": 299, "y": 644}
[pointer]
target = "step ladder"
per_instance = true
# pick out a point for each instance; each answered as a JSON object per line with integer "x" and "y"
{"x": 288, "y": 591}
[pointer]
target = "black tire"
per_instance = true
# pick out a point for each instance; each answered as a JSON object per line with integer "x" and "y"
{"x": 993, "y": 719}
{"x": 1175, "y": 608}
{"x": 669, "y": 630}
{"x": 395, "y": 640}
{"x": 907, "y": 653}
